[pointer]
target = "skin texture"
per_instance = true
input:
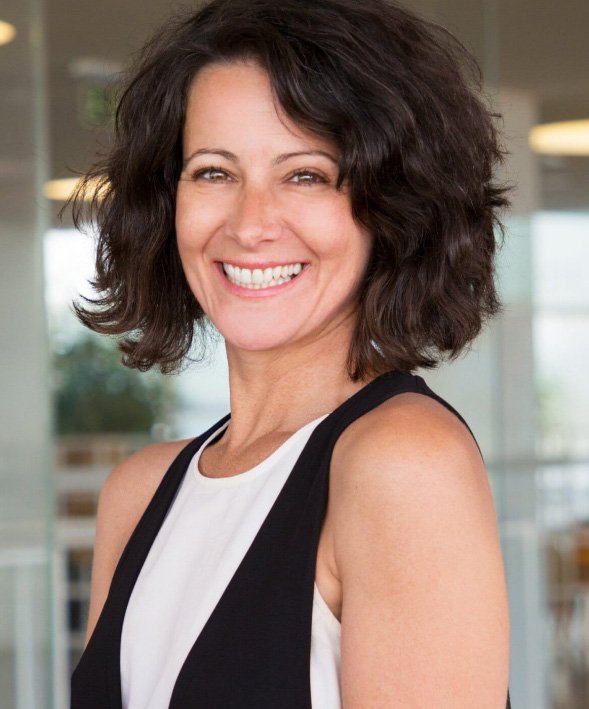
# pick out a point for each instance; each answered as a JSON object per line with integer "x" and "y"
{"x": 409, "y": 557}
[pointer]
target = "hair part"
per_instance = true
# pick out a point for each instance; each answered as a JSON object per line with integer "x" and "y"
{"x": 401, "y": 99}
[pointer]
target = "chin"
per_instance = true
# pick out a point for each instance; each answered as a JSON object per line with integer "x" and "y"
{"x": 263, "y": 331}
{"x": 252, "y": 343}
{"x": 256, "y": 339}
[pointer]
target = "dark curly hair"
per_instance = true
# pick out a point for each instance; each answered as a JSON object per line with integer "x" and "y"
{"x": 400, "y": 98}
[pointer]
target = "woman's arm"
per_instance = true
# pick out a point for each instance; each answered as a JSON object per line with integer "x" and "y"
{"x": 123, "y": 499}
{"x": 425, "y": 621}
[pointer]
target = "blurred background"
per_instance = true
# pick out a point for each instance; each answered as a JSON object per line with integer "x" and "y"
{"x": 69, "y": 411}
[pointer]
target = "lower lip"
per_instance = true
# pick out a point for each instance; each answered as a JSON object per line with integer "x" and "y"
{"x": 258, "y": 292}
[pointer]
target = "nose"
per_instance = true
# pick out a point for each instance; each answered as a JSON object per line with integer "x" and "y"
{"x": 254, "y": 216}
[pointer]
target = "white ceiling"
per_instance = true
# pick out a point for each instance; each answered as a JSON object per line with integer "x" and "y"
{"x": 534, "y": 45}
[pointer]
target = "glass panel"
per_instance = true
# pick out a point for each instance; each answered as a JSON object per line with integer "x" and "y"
{"x": 26, "y": 510}
{"x": 561, "y": 338}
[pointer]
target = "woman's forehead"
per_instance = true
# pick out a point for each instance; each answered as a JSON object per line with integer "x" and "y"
{"x": 236, "y": 100}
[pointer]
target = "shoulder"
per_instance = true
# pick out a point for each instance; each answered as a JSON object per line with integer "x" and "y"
{"x": 410, "y": 444}
{"x": 131, "y": 485}
{"x": 128, "y": 490}
{"x": 405, "y": 425}
{"x": 125, "y": 494}
{"x": 417, "y": 551}
{"x": 413, "y": 456}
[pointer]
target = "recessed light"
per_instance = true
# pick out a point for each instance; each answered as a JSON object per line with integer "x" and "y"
{"x": 563, "y": 138}
{"x": 7, "y": 32}
{"x": 94, "y": 68}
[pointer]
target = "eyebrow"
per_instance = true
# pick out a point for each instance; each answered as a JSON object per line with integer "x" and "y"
{"x": 277, "y": 160}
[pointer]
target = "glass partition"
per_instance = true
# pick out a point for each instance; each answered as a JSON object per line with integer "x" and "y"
{"x": 27, "y": 664}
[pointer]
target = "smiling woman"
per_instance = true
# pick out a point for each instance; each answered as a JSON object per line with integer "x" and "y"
{"x": 315, "y": 179}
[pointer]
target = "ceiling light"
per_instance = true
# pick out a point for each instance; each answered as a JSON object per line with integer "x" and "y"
{"x": 62, "y": 189}
{"x": 94, "y": 68}
{"x": 564, "y": 138}
{"x": 7, "y": 32}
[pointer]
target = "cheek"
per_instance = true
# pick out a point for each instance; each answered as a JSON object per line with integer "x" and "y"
{"x": 345, "y": 241}
{"x": 190, "y": 244}
{"x": 193, "y": 222}
{"x": 183, "y": 221}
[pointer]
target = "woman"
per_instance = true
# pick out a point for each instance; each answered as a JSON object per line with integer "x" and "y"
{"x": 314, "y": 179}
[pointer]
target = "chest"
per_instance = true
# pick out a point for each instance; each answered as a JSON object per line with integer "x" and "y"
{"x": 215, "y": 463}
{"x": 202, "y": 553}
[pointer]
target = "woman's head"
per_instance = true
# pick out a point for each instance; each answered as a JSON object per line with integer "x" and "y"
{"x": 397, "y": 99}
{"x": 257, "y": 200}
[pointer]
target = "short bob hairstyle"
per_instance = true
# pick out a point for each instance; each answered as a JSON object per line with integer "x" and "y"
{"x": 401, "y": 100}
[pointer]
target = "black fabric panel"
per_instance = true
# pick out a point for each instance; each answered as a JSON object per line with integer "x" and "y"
{"x": 96, "y": 680}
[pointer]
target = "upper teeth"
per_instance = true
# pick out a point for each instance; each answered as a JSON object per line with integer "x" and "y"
{"x": 261, "y": 278}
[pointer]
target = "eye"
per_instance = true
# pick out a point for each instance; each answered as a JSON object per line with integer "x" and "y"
{"x": 307, "y": 177}
{"x": 210, "y": 174}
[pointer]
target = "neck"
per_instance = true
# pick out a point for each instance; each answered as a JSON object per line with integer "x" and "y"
{"x": 281, "y": 391}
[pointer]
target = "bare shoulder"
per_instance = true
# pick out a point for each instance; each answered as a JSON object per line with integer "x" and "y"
{"x": 417, "y": 551}
{"x": 406, "y": 423}
{"x": 410, "y": 444}
{"x": 131, "y": 485}
{"x": 125, "y": 494}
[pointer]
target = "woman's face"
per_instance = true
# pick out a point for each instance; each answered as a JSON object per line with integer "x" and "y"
{"x": 268, "y": 245}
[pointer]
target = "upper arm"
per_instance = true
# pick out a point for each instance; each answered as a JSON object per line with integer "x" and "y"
{"x": 123, "y": 499}
{"x": 424, "y": 615}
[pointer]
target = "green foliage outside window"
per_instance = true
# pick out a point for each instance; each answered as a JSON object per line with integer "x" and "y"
{"x": 95, "y": 393}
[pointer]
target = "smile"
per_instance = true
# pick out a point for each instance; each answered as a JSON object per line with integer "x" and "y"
{"x": 256, "y": 278}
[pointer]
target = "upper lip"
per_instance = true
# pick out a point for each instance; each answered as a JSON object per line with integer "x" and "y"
{"x": 261, "y": 264}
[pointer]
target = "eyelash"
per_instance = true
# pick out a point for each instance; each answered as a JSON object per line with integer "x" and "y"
{"x": 317, "y": 178}
{"x": 199, "y": 173}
